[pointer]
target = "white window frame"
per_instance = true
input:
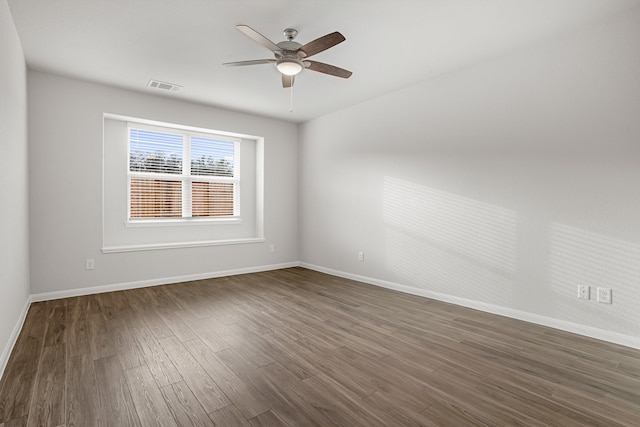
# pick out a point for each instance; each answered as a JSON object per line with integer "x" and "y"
{"x": 120, "y": 236}
{"x": 186, "y": 178}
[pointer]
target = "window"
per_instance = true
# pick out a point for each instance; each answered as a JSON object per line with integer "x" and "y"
{"x": 175, "y": 174}
{"x": 168, "y": 185}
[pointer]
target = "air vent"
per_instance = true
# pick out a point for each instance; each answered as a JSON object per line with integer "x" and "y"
{"x": 157, "y": 84}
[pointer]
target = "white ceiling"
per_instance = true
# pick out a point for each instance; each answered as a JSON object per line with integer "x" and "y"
{"x": 390, "y": 43}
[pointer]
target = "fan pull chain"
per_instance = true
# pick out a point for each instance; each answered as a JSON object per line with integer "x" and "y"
{"x": 291, "y": 107}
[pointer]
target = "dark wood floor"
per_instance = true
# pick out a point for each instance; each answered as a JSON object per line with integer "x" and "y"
{"x": 295, "y": 348}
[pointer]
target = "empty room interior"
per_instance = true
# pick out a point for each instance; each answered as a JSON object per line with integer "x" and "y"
{"x": 353, "y": 213}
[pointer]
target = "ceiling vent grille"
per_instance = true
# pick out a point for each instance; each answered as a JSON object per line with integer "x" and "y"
{"x": 157, "y": 84}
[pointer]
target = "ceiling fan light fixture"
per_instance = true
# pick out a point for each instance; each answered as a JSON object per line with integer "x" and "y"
{"x": 289, "y": 66}
{"x": 291, "y": 58}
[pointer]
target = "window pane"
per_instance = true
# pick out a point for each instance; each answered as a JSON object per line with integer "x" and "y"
{"x": 211, "y": 157}
{"x": 211, "y": 199}
{"x": 155, "y": 198}
{"x": 155, "y": 151}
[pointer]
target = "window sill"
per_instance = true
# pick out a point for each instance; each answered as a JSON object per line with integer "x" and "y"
{"x": 159, "y": 246}
{"x": 181, "y": 222}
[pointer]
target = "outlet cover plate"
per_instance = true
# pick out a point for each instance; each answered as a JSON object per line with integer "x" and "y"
{"x": 604, "y": 295}
{"x": 583, "y": 292}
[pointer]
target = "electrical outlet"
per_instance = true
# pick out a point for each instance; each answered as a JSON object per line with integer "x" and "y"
{"x": 89, "y": 264}
{"x": 272, "y": 248}
{"x": 583, "y": 292}
{"x": 361, "y": 256}
{"x": 604, "y": 295}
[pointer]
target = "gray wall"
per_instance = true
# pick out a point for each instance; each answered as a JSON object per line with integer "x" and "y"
{"x": 66, "y": 128}
{"x": 503, "y": 186}
{"x": 14, "y": 209}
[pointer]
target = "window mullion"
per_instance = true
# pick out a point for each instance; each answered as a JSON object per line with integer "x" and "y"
{"x": 186, "y": 180}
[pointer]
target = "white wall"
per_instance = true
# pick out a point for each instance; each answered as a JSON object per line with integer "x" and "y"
{"x": 66, "y": 125}
{"x": 502, "y": 186}
{"x": 14, "y": 209}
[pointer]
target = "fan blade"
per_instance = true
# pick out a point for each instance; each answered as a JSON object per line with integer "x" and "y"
{"x": 258, "y": 38}
{"x": 321, "y": 67}
{"x": 252, "y": 62}
{"x": 321, "y": 44}
{"x": 287, "y": 81}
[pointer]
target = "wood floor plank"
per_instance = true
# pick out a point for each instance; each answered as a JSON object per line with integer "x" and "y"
{"x": 318, "y": 407}
{"x": 127, "y": 312}
{"x": 393, "y": 408}
{"x": 358, "y": 341}
{"x": 385, "y": 379}
{"x": 116, "y": 405}
{"x": 355, "y": 381}
{"x": 159, "y": 298}
{"x": 18, "y": 422}
{"x": 127, "y": 348}
{"x": 478, "y": 406}
{"x": 156, "y": 325}
{"x": 244, "y": 342}
{"x": 16, "y": 387}
{"x": 131, "y": 318}
{"x": 204, "y": 329}
{"x": 203, "y": 387}
{"x": 290, "y": 407}
{"x": 83, "y": 404}
{"x": 522, "y": 399}
{"x": 268, "y": 419}
{"x": 318, "y": 332}
{"x": 441, "y": 414}
{"x": 100, "y": 338}
{"x": 274, "y": 320}
{"x": 162, "y": 369}
{"x": 33, "y": 324}
{"x": 280, "y": 349}
{"x": 624, "y": 414}
{"x": 110, "y": 307}
{"x": 48, "y": 399}
{"x": 246, "y": 400}
{"x": 150, "y": 406}
{"x": 225, "y": 306}
{"x": 296, "y": 347}
{"x": 229, "y": 416}
{"x": 184, "y": 406}
{"x": 56, "y": 326}
{"x": 179, "y": 328}
{"x": 347, "y": 401}
{"x": 77, "y": 328}
{"x": 78, "y": 341}
{"x": 627, "y": 390}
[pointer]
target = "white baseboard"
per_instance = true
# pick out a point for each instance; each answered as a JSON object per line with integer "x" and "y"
{"x": 4, "y": 358}
{"x": 45, "y": 296}
{"x": 600, "y": 334}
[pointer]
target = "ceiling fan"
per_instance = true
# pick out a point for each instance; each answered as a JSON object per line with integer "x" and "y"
{"x": 291, "y": 57}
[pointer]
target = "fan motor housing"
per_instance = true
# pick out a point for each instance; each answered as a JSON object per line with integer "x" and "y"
{"x": 289, "y": 46}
